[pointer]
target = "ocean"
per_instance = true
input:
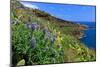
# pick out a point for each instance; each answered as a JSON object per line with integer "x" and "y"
{"x": 90, "y": 35}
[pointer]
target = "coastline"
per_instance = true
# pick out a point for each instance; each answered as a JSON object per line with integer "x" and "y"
{"x": 88, "y": 37}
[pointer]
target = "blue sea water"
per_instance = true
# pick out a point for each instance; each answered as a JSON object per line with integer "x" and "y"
{"x": 90, "y": 35}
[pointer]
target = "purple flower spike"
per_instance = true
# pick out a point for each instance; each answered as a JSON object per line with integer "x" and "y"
{"x": 28, "y": 25}
{"x": 53, "y": 38}
{"x": 33, "y": 42}
{"x": 34, "y": 26}
{"x": 45, "y": 30}
{"x": 48, "y": 33}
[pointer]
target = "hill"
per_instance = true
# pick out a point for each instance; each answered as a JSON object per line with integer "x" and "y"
{"x": 35, "y": 15}
{"x": 41, "y": 38}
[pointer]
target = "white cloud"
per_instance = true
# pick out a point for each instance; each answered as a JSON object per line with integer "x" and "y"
{"x": 30, "y": 5}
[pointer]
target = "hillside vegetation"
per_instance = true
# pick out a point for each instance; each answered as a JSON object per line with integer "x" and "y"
{"x": 40, "y": 38}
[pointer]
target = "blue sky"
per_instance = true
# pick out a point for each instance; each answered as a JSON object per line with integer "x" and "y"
{"x": 77, "y": 13}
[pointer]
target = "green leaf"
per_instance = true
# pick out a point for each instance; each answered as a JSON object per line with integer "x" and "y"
{"x": 21, "y": 62}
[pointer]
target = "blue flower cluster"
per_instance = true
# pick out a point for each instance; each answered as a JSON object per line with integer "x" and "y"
{"x": 49, "y": 36}
{"x": 32, "y": 26}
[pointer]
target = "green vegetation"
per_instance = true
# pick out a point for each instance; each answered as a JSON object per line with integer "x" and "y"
{"x": 39, "y": 38}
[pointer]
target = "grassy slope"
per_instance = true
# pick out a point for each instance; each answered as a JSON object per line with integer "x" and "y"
{"x": 73, "y": 49}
